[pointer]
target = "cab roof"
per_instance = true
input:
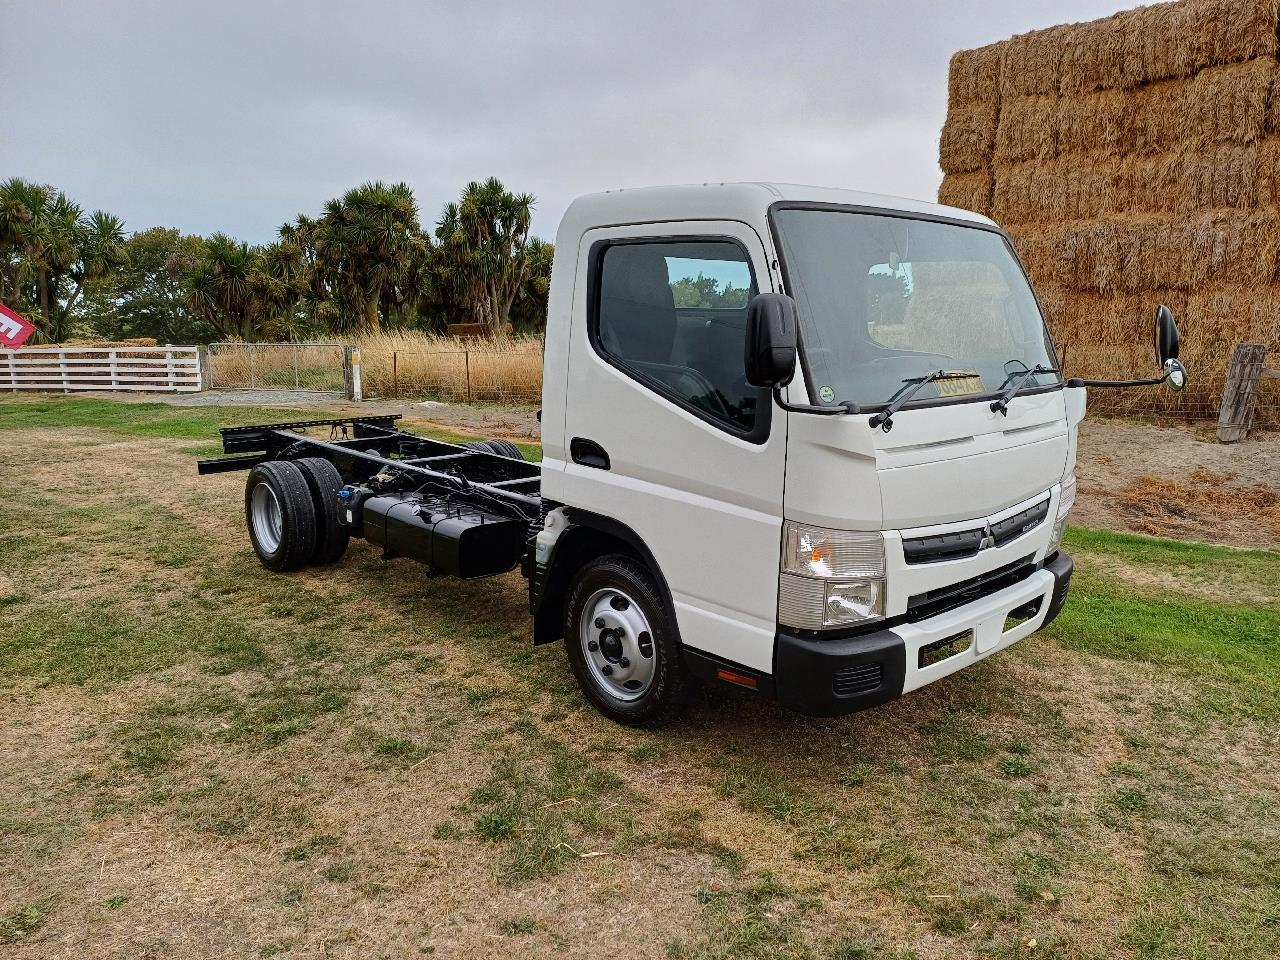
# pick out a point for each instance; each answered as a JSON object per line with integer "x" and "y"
{"x": 748, "y": 202}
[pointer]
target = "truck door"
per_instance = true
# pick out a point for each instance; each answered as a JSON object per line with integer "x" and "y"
{"x": 664, "y": 433}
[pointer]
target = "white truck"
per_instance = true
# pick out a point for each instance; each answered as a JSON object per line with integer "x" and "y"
{"x": 809, "y": 442}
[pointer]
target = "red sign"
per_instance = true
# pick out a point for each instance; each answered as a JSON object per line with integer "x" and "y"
{"x": 14, "y": 329}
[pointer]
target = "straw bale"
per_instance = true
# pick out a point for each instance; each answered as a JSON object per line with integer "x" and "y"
{"x": 968, "y": 191}
{"x": 1203, "y": 33}
{"x": 1093, "y": 55}
{"x": 1135, "y": 252}
{"x": 1269, "y": 172}
{"x": 1030, "y": 62}
{"x": 1162, "y": 42}
{"x": 968, "y": 138}
{"x": 1097, "y": 121}
{"x": 1233, "y": 313}
{"x": 1217, "y": 104}
{"x": 1028, "y": 129}
{"x": 1222, "y": 104}
{"x": 974, "y": 76}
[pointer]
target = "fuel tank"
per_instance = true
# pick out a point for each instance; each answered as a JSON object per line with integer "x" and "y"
{"x": 450, "y": 538}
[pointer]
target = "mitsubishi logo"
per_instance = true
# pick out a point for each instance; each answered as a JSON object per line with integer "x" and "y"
{"x": 988, "y": 538}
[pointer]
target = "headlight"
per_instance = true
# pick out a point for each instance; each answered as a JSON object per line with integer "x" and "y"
{"x": 830, "y": 578}
{"x": 1066, "y": 500}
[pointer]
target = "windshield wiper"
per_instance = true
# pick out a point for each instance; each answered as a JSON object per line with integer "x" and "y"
{"x": 884, "y": 420}
{"x": 1001, "y": 406}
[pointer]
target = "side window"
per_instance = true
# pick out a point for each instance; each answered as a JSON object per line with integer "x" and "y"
{"x": 674, "y": 315}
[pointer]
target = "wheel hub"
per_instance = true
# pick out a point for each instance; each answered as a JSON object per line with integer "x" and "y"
{"x": 617, "y": 644}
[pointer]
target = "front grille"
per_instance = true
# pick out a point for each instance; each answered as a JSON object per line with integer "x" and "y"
{"x": 933, "y": 602}
{"x": 862, "y": 678}
{"x": 967, "y": 543}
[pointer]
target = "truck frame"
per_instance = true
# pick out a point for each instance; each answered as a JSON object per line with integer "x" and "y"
{"x": 769, "y": 460}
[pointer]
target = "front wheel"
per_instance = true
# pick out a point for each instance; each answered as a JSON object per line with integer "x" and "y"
{"x": 623, "y": 644}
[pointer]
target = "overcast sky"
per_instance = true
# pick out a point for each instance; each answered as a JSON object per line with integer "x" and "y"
{"x": 236, "y": 116}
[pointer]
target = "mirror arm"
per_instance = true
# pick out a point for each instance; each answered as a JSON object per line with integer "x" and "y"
{"x": 1078, "y": 382}
{"x": 839, "y": 409}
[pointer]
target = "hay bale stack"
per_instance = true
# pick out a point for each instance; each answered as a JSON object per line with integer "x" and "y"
{"x": 1134, "y": 160}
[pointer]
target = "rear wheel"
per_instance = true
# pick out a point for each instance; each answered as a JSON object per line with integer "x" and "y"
{"x": 281, "y": 515}
{"x": 623, "y": 644}
{"x": 503, "y": 448}
{"x": 324, "y": 481}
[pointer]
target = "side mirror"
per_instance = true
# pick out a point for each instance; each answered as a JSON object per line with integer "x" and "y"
{"x": 772, "y": 338}
{"x": 1175, "y": 374}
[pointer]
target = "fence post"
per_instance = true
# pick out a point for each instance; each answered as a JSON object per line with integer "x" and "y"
{"x": 115, "y": 370}
{"x": 296, "y": 358}
{"x": 466, "y": 358}
{"x": 202, "y": 366}
{"x": 168, "y": 367}
{"x": 395, "y": 374}
{"x": 1239, "y": 399}
{"x": 62, "y": 365}
{"x": 13, "y": 369}
{"x": 351, "y": 373}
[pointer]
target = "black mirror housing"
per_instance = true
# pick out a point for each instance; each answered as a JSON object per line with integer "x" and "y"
{"x": 1166, "y": 336}
{"x": 772, "y": 338}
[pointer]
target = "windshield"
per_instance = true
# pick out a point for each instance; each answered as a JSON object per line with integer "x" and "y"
{"x": 886, "y": 300}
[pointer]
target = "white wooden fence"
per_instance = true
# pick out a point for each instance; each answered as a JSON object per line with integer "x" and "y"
{"x": 67, "y": 369}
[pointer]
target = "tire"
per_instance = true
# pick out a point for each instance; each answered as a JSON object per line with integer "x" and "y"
{"x": 503, "y": 448}
{"x": 325, "y": 481}
{"x": 612, "y": 602}
{"x": 281, "y": 515}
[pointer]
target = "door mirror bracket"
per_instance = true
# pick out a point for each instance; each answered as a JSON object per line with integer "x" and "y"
{"x": 1172, "y": 372}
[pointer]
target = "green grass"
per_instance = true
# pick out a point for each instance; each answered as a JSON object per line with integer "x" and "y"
{"x": 1232, "y": 648}
{"x": 25, "y": 920}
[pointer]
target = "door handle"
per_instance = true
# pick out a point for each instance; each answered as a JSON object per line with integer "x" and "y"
{"x": 588, "y": 453}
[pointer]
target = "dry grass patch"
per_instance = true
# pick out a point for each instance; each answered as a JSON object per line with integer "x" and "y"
{"x": 1167, "y": 507}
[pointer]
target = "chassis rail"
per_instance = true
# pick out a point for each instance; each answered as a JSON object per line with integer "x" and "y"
{"x": 367, "y": 447}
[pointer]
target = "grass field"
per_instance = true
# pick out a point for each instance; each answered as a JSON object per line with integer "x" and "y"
{"x": 202, "y": 759}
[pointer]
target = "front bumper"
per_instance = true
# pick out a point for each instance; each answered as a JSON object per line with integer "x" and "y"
{"x": 829, "y": 677}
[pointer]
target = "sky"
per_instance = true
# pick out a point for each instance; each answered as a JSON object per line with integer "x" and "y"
{"x": 237, "y": 116}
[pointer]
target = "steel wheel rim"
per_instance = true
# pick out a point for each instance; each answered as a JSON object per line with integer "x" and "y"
{"x": 268, "y": 521}
{"x": 617, "y": 644}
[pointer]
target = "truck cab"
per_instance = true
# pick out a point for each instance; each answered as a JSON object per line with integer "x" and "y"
{"x": 803, "y": 546}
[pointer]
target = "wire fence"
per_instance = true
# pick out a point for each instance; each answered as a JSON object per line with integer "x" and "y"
{"x": 306, "y": 367}
{"x": 469, "y": 375}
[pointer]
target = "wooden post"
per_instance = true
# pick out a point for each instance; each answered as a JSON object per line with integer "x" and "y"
{"x": 395, "y": 374}
{"x": 466, "y": 357}
{"x": 62, "y": 365}
{"x": 351, "y": 373}
{"x": 1239, "y": 398}
{"x": 202, "y": 366}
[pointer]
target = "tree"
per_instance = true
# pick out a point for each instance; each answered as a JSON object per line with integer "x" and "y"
{"x": 51, "y": 250}
{"x": 219, "y": 287}
{"x": 529, "y": 311}
{"x": 482, "y": 257}
{"x": 148, "y": 296}
{"x": 366, "y": 247}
